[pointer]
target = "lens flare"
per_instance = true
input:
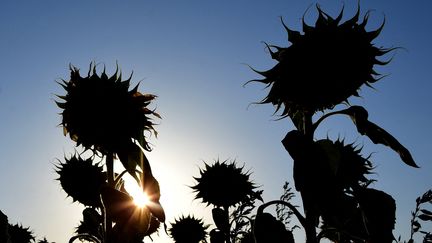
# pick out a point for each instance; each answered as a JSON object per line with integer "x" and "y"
{"x": 141, "y": 199}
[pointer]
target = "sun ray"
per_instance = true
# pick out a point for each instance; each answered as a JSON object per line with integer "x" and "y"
{"x": 141, "y": 199}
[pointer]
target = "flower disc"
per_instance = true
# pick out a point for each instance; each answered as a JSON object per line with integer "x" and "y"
{"x": 324, "y": 66}
{"x": 101, "y": 113}
{"x": 223, "y": 185}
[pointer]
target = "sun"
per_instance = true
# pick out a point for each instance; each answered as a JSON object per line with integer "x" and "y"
{"x": 140, "y": 198}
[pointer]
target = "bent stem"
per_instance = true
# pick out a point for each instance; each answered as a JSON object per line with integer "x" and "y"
{"x": 299, "y": 216}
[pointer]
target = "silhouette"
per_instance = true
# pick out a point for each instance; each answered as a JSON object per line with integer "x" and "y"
{"x": 231, "y": 193}
{"x": 322, "y": 68}
{"x": 188, "y": 229}
{"x": 103, "y": 116}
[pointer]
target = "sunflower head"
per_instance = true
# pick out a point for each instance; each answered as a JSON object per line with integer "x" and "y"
{"x": 323, "y": 66}
{"x": 18, "y": 233}
{"x": 82, "y": 180}
{"x": 348, "y": 167}
{"x": 188, "y": 229}
{"x": 353, "y": 167}
{"x": 223, "y": 184}
{"x": 101, "y": 113}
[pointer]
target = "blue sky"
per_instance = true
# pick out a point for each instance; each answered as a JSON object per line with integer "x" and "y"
{"x": 192, "y": 55}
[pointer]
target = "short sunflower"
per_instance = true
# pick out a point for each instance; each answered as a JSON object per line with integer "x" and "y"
{"x": 82, "y": 180}
{"x": 323, "y": 66}
{"x": 102, "y": 114}
{"x": 188, "y": 229}
{"x": 223, "y": 184}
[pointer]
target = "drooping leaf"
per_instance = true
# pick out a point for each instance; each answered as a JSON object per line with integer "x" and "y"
{"x": 376, "y": 134}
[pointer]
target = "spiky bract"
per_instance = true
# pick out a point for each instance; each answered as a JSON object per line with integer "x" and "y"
{"x": 82, "y": 180}
{"x": 188, "y": 229}
{"x": 223, "y": 184}
{"x": 101, "y": 113}
{"x": 324, "y": 66}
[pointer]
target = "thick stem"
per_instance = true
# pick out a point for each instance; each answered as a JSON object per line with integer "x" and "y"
{"x": 111, "y": 183}
{"x": 310, "y": 221}
{"x": 227, "y": 234}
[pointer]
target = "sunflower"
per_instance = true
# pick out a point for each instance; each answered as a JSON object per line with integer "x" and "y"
{"x": 188, "y": 230}
{"x": 347, "y": 164}
{"x": 102, "y": 114}
{"x": 223, "y": 184}
{"x": 323, "y": 66}
{"x": 18, "y": 233}
{"x": 82, "y": 180}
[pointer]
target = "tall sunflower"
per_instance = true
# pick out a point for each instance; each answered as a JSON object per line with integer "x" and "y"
{"x": 102, "y": 114}
{"x": 323, "y": 66}
{"x": 223, "y": 184}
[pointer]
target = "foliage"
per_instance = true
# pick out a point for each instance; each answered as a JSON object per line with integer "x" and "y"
{"x": 423, "y": 215}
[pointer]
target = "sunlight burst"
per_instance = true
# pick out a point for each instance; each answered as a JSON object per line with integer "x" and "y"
{"x": 141, "y": 199}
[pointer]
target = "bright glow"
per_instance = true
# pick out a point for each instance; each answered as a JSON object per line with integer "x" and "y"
{"x": 140, "y": 198}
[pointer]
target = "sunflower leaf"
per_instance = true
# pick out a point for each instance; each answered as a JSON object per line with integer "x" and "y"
{"x": 376, "y": 134}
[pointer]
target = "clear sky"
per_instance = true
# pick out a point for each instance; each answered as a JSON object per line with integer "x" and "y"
{"x": 192, "y": 55}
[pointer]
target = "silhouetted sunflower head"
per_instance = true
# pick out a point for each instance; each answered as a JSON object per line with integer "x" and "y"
{"x": 188, "y": 230}
{"x": 223, "y": 184}
{"x": 18, "y": 233}
{"x": 82, "y": 180}
{"x": 353, "y": 167}
{"x": 101, "y": 113}
{"x": 323, "y": 66}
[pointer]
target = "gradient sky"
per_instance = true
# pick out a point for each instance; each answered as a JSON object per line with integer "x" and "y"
{"x": 192, "y": 55}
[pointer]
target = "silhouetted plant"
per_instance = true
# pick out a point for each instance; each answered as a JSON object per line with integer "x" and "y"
{"x": 283, "y": 213}
{"x": 20, "y": 234}
{"x": 224, "y": 185}
{"x": 188, "y": 229}
{"x": 102, "y": 115}
{"x": 322, "y": 68}
{"x": 421, "y": 214}
{"x": 86, "y": 189}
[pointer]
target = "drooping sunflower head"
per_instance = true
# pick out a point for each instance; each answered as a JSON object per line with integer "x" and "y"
{"x": 101, "y": 113}
{"x": 324, "y": 65}
{"x": 188, "y": 229}
{"x": 82, "y": 180}
{"x": 223, "y": 184}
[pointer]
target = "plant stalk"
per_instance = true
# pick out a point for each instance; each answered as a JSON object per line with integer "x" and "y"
{"x": 111, "y": 184}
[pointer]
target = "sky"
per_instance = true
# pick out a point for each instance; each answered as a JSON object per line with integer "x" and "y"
{"x": 193, "y": 55}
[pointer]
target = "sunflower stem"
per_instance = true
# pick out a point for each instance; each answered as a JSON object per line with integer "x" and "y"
{"x": 111, "y": 184}
{"x": 227, "y": 234}
{"x": 310, "y": 220}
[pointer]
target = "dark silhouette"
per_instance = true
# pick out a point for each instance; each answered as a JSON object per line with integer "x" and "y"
{"x": 103, "y": 116}
{"x": 322, "y": 68}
